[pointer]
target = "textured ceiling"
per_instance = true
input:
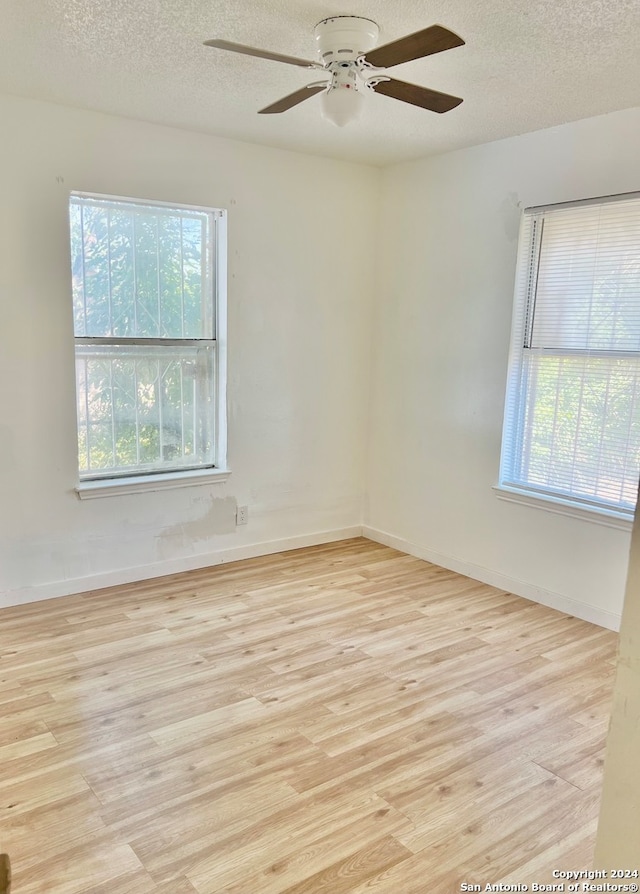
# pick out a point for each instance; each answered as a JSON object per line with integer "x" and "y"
{"x": 525, "y": 66}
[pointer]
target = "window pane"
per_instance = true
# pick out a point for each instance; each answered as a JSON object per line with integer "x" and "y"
{"x": 140, "y": 271}
{"x": 572, "y": 417}
{"x": 581, "y": 427}
{"x": 144, "y": 408}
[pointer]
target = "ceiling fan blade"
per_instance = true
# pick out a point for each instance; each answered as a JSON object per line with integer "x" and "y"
{"x": 261, "y": 54}
{"x": 287, "y": 102}
{"x": 414, "y": 46}
{"x": 418, "y": 96}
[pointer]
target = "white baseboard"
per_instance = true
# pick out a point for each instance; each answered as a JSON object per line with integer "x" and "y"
{"x": 569, "y": 606}
{"x": 172, "y": 566}
{"x": 565, "y": 604}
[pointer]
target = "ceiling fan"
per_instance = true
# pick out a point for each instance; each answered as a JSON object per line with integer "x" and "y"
{"x": 350, "y": 59}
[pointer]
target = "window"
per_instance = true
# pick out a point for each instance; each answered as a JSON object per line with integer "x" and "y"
{"x": 572, "y": 418}
{"x": 149, "y": 311}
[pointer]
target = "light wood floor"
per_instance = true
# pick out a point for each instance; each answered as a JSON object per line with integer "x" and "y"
{"x": 337, "y": 719}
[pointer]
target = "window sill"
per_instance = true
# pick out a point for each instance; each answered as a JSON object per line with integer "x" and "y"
{"x": 607, "y": 517}
{"x": 115, "y": 487}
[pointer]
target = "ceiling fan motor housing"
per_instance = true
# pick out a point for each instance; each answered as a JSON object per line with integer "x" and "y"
{"x": 345, "y": 38}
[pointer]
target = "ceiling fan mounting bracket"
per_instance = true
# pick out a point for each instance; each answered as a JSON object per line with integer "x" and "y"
{"x": 375, "y": 79}
{"x": 345, "y": 38}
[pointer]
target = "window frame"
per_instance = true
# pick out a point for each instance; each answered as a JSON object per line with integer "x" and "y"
{"x": 512, "y": 441}
{"x": 91, "y": 487}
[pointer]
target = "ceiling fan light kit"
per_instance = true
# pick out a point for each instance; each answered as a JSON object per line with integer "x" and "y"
{"x": 341, "y": 41}
{"x": 341, "y": 103}
{"x": 348, "y": 55}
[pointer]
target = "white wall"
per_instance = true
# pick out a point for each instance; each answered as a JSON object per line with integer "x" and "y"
{"x": 448, "y": 230}
{"x": 304, "y": 264}
{"x": 618, "y": 842}
{"x": 300, "y": 243}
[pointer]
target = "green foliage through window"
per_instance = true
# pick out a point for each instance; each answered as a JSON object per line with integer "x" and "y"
{"x": 143, "y": 282}
{"x": 572, "y": 420}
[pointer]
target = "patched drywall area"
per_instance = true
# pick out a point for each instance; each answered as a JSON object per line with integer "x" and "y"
{"x": 218, "y": 517}
{"x": 298, "y": 349}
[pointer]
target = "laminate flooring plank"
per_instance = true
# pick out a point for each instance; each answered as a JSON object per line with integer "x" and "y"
{"x": 78, "y": 871}
{"x": 343, "y": 718}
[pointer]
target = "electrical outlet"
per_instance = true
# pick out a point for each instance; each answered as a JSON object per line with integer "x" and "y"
{"x": 242, "y": 515}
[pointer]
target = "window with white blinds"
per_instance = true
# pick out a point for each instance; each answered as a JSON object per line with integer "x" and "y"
{"x": 572, "y": 417}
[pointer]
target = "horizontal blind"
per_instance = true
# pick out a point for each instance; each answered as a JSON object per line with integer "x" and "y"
{"x": 588, "y": 281}
{"x": 572, "y": 419}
